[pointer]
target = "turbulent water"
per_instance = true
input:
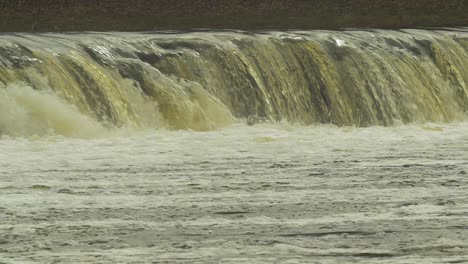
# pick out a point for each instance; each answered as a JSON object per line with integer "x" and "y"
{"x": 260, "y": 194}
{"x": 234, "y": 147}
{"x": 83, "y": 84}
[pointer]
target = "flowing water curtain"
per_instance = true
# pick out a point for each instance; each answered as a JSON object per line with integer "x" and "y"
{"x": 205, "y": 81}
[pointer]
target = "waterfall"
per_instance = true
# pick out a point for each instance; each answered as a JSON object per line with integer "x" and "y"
{"x": 76, "y": 83}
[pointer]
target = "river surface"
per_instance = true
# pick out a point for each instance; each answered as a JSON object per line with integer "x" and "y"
{"x": 234, "y": 147}
{"x": 268, "y": 193}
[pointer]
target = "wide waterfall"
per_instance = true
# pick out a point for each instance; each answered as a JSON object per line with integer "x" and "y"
{"x": 82, "y": 84}
{"x": 231, "y": 146}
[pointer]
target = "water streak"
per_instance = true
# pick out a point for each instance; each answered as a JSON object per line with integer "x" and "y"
{"x": 81, "y": 84}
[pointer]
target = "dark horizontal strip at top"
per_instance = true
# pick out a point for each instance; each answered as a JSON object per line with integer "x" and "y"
{"x": 147, "y": 15}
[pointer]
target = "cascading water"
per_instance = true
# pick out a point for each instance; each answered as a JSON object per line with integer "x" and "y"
{"x": 80, "y": 84}
{"x": 357, "y": 149}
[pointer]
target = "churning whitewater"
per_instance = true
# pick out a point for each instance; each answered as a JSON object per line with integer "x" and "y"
{"x": 83, "y": 84}
{"x": 234, "y": 147}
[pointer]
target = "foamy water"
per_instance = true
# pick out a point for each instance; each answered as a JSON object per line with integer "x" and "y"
{"x": 319, "y": 147}
{"x": 244, "y": 194}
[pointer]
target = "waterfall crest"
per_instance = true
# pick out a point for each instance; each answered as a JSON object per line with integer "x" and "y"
{"x": 207, "y": 80}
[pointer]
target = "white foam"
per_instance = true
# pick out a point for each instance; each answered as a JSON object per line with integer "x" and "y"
{"x": 28, "y": 112}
